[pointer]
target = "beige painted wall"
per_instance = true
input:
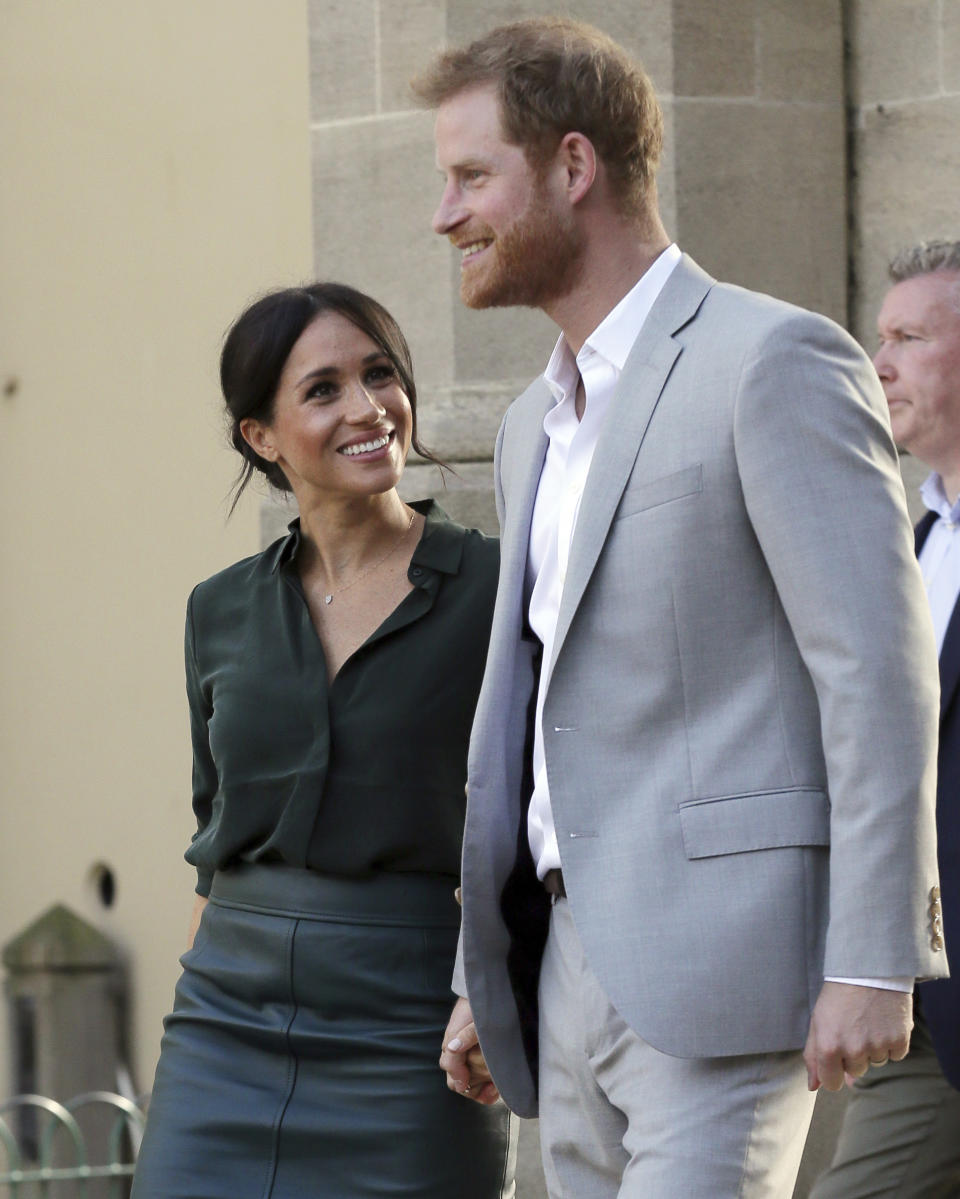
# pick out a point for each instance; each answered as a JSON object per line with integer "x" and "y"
{"x": 155, "y": 175}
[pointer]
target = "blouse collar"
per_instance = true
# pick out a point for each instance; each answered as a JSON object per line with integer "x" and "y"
{"x": 440, "y": 546}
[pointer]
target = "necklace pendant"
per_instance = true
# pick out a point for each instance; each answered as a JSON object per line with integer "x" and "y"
{"x": 328, "y": 599}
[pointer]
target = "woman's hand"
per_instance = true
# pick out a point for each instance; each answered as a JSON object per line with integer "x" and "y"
{"x": 199, "y": 905}
{"x": 462, "y": 1058}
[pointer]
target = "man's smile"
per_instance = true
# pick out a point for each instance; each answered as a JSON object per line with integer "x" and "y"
{"x": 473, "y": 248}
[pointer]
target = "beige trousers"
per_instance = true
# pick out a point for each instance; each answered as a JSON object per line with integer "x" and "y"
{"x": 620, "y": 1119}
{"x": 901, "y": 1132}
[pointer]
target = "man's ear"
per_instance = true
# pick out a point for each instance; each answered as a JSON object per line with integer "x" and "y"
{"x": 257, "y": 436}
{"x": 577, "y": 156}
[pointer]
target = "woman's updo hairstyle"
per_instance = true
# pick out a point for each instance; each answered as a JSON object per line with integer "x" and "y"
{"x": 258, "y": 345}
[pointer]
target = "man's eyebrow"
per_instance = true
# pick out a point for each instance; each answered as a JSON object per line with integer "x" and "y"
{"x": 908, "y": 325}
{"x": 467, "y": 164}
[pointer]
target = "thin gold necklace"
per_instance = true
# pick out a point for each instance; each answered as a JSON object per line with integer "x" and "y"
{"x": 328, "y": 595}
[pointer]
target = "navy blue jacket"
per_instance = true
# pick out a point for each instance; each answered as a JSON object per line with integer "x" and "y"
{"x": 940, "y": 1000}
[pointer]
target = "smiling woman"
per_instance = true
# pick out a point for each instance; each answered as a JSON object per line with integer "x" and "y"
{"x": 339, "y": 398}
{"x": 255, "y": 356}
{"x": 330, "y": 745}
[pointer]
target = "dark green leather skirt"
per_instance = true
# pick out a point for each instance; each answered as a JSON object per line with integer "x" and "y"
{"x": 301, "y": 1055}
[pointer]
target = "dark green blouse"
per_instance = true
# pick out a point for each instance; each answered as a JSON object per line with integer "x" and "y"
{"x": 350, "y": 778}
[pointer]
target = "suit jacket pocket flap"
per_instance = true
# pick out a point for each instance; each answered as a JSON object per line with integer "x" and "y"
{"x": 675, "y": 486}
{"x": 759, "y": 820}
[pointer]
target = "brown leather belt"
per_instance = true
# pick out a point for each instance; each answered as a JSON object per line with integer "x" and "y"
{"x": 553, "y": 884}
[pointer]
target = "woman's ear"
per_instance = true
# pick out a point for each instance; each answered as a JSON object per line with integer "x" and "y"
{"x": 257, "y": 436}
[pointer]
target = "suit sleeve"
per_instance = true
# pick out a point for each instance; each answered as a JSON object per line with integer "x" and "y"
{"x": 824, "y": 496}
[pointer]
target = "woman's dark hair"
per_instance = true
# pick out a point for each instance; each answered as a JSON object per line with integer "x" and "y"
{"x": 258, "y": 345}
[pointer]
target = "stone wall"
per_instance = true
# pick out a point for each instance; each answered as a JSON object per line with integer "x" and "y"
{"x": 904, "y": 125}
{"x": 758, "y": 145}
{"x": 904, "y": 88}
{"x": 752, "y": 182}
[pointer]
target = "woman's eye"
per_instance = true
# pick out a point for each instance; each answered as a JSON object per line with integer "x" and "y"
{"x": 381, "y": 373}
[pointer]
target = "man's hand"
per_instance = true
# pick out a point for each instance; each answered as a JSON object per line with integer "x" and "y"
{"x": 466, "y": 1071}
{"x": 853, "y": 1028}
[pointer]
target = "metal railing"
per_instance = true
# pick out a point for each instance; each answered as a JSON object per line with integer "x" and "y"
{"x": 55, "y": 1150}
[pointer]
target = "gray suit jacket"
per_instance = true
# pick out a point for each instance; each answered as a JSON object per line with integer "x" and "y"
{"x": 741, "y": 721}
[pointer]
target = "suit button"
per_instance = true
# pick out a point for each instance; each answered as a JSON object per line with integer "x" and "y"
{"x": 936, "y": 942}
{"x": 934, "y": 894}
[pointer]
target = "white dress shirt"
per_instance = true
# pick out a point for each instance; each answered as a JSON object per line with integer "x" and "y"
{"x": 569, "y": 454}
{"x": 571, "y": 445}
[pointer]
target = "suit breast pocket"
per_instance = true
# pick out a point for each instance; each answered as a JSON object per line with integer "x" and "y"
{"x": 654, "y": 493}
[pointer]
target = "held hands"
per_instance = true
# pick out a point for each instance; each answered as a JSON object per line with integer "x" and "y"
{"x": 853, "y": 1028}
{"x": 466, "y": 1071}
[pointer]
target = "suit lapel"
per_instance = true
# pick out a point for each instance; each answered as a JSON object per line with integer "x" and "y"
{"x": 922, "y": 530}
{"x": 950, "y": 650}
{"x": 638, "y": 393}
{"x": 950, "y": 661}
{"x": 519, "y": 477}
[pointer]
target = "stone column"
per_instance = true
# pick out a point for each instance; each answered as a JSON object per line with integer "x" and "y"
{"x": 64, "y": 997}
{"x": 904, "y": 128}
{"x": 758, "y": 133}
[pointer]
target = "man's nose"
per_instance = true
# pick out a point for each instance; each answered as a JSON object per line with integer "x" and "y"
{"x": 882, "y": 364}
{"x": 448, "y": 214}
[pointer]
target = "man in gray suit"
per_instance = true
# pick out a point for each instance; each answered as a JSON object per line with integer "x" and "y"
{"x": 699, "y": 853}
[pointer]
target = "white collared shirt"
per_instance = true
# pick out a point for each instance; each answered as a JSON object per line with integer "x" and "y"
{"x": 940, "y": 556}
{"x": 569, "y": 454}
